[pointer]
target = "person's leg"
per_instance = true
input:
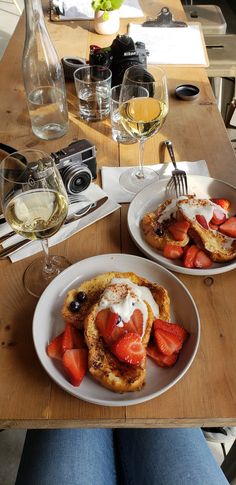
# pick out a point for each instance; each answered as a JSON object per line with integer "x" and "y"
{"x": 68, "y": 457}
{"x": 166, "y": 457}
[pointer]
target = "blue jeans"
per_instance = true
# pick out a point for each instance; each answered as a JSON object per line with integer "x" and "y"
{"x": 121, "y": 456}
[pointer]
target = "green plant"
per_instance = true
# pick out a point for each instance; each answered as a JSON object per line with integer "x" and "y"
{"x": 106, "y": 6}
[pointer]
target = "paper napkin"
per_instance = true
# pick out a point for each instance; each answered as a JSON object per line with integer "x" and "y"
{"x": 93, "y": 193}
{"x": 111, "y": 175}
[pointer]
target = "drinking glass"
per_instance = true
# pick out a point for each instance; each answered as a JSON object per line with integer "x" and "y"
{"x": 143, "y": 108}
{"x": 35, "y": 204}
{"x": 93, "y": 88}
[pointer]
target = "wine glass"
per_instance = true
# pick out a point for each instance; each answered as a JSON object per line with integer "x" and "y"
{"x": 35, "y": 204}
{"x": 143, "y": 107}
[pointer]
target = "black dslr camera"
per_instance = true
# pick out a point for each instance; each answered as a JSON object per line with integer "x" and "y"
{"x": 77, "y": 165}
{"x": 122, "y": 54}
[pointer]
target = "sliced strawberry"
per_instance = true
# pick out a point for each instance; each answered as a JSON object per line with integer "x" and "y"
{"x": 137, "y": 321}
{"x": 202, "y": 260}
{"x": 54, "y": 348}
{"x": 106, "y": 322}
{"x": 189, "y": 256}
{"x": 179, "y": 230}
{"x": 161, "y": 359}
{"x": 167, "y": 342}
{"x": 229, "y": 227}
{"x": 224, "y": 203}
{"x": 72, "y": 339}
{"x": 202, "y": 221}
{"x": 172, "y": 251}
{"x": 129, "y": 349}
{"x": 218, "y": 217}
{"x": 173, "y": 328}
{"x": 75, "y": 362}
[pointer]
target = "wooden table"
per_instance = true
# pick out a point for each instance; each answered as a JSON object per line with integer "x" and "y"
{"x": 207, "y": 393}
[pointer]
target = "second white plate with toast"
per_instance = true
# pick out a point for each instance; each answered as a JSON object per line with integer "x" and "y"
{"x": 155, "y": 194}
{"x": 48, "y": 323}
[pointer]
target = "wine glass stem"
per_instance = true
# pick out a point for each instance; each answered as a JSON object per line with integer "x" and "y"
{"x": 47, "y": 266}
{"x": 140, "y": 173}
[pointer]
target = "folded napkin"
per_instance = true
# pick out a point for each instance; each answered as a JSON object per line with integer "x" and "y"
{"x": 111, "y": 175}
{"x": 93, "y": 193}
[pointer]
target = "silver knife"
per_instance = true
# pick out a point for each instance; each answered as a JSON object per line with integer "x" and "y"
{"x": 73, "y": 217}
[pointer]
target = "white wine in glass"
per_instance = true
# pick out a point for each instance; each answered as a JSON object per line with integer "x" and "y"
{"x": 143, "y": 110}
{"x": 35, "y": 204}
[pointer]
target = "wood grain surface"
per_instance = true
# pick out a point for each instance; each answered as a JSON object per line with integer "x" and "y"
{"x": 207, "y": 393}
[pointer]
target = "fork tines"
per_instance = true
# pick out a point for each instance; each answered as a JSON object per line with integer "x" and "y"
{"x": 178, "y": 182}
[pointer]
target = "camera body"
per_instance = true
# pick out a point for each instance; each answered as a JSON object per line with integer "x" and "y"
{"x": 122, "y": 54}
{"x": 77, "y": 165}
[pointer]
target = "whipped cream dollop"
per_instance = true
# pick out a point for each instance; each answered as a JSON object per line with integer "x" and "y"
{"x": 123, "y": 297}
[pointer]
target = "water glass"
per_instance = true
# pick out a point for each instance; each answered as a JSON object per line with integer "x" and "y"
{"x": 119, "y": 134}
{"x": 93, "y": 88}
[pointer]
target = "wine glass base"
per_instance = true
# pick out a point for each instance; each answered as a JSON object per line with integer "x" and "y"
{"x": 35, "y": 279}
{"x": 130, "y": 181}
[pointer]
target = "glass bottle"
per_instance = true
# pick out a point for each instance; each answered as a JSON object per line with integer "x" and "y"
{"x": 43, "y": 77}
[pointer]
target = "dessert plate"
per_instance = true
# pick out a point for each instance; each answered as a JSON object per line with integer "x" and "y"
{"x": 149, "y": 198}
{"x": 47, "y": 323}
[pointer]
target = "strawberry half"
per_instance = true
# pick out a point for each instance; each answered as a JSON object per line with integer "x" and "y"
{"x": 129, "y": 349}
{"x": 160, "y": 359}
{"x": 229, "y": 227}
{"x": 224, "y": 203}
{"x": 106, "y": 322}
{"x": 189, "y": 256}
{"x": 202, "y": 260}
{"x": 173, "y": 328}
{"x": 202, "y": 221}
{"x": 167, "y": 342}
{"x": 75, "y": 362}
{"x": 72, "y": 339}
{"x": 179, "y": 230}
{"x": 218, "y": 217}
{"x": 54, "y": 348}
{"x": 172, "y": 251}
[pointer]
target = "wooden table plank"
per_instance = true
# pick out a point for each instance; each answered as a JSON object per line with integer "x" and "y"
{"x": 207, "y": 393}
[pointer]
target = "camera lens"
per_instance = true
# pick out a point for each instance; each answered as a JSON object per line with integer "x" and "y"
{"x": 76, "y": 179}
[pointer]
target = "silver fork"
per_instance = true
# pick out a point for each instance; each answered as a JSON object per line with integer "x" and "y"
{"x": 178, "y": 180}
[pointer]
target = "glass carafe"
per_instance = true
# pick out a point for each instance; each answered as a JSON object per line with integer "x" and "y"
{"x": 43, "y": 77}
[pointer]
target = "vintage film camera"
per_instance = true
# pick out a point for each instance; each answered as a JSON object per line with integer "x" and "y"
{"x": 122, "y": 54}
{"x": 77, "y": 165}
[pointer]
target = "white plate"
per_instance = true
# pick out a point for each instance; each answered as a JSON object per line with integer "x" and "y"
{"x": 151, "y": 196}
{"x": 47, "y": 323}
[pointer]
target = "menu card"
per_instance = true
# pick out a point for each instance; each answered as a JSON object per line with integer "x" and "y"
{"x": 74, "y": 10}
{"x": 172, "y": 45}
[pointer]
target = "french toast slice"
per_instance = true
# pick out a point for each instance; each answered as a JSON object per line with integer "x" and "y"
{"x": 103, "y": 365}
{"x": 220, "y": 248}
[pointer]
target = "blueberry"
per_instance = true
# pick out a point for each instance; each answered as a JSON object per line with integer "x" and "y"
{"x": 74, "y": 306}
{"x": 81, "y": 297}
{"x": 159, "y": 231}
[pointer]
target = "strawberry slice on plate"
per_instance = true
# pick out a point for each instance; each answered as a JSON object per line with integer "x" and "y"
{"x": 189, "y": 256}
{"x": 75, "y": 362}
{"x": 129, "y": 349}
{"x": 179, "y": 230}
{"x": 72, "y": 339}
{"x": 160, "y": 359}
{"x": 229, "y": 227}
{"x": 173, "y": 328}
{"x": 54, "y": 348}
{"x": 172, "y": 251}
{"x": 202, "y": 260}
{"x": 167, "y": 342}
{"x": 218, "y": 217}
{"x": 106, "y": 322}
{"x": 224, "y": 203}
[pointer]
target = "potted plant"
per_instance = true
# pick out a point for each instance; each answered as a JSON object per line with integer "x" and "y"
{"x": 106, "y": 18}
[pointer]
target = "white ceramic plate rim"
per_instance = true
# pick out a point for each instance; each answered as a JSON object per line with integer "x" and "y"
{"x": 154, "y": 194}
{"x": 47, "y": 323}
